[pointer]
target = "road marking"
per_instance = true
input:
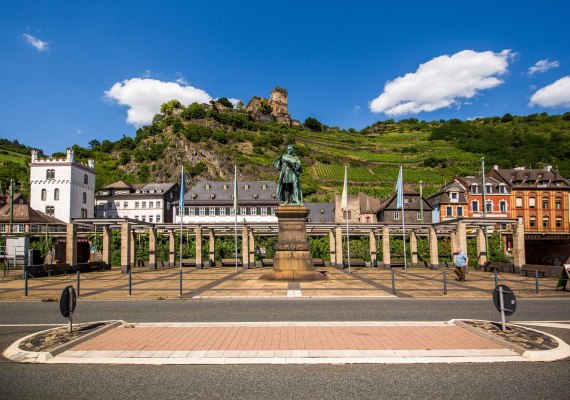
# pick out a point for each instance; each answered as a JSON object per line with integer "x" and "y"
{"x": 21, "y": 325}
{"x": 294, "y": 293}
{"x": 561, "y": 325}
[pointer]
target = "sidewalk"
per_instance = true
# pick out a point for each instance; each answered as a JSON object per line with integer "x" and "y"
{"x": 284, "y": 343}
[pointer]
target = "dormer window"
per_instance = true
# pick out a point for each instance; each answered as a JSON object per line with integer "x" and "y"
{"x": 474, "y": 189}
{"x": 453, "y": 196}
{"x": 246, "y": 187}
{"x": 264, "y": 186}
{"x": 212, "y": 196}
{"x": 255, "y": 196}
{"x": 225, "y": 187}
{"x": 488, "y": 189}
{"x": 207, "y": 186}
{"x": 194, "y": 196}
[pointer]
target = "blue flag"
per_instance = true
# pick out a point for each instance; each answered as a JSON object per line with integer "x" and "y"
{"x": 400, "y": 190}
{"x": 181, "y": 205}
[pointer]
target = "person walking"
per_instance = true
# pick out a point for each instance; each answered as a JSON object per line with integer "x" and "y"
{"x": 461, "y": 260}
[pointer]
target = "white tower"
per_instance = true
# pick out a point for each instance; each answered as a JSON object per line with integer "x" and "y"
{"x": 62, "y": 187}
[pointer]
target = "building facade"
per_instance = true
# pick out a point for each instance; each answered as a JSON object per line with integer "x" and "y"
{"x": 147, "y": 202}
{"x": 496, "y": 193}
{"x": 449, "y": 203}
{"x": 62, "y": 188}
{"x": 416, "y": 209}
{"x": 361, "y": 209}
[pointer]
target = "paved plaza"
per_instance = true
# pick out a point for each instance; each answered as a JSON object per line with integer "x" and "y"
{"x": 223, "y": 283}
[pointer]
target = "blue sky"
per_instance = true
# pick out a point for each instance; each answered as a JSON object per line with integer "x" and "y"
{"x": 59, "y": 61}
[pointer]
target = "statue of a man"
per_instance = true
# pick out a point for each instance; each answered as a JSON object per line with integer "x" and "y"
{"x": 289, "y": 185}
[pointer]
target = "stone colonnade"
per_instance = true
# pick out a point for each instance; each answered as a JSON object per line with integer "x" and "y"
{"x": 458, "y": 239}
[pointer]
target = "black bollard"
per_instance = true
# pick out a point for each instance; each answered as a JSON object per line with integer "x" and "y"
{"x": 393, "y": 283}
{"x": 180, "y": 281}
{"x": 78, "y": 282}
{"x": 445, "y": 283}
{"x": 25, "y": 282}
{"x": 496, "y": 277}
{"x": 130, "y": 280}
{"x": 536, "y": 280}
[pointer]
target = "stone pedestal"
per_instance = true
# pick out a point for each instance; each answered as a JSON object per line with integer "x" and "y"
{"x": 292, "y": 260}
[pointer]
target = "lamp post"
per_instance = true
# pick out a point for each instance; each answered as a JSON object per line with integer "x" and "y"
{"x": 421, "y": 202}
{"x": 11, "y": 203}
{"x": 484, "y": 210}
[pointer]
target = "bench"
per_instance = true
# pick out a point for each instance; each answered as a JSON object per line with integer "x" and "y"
{"x": 265, "y": 262}
{"x": 188, "y": 262}
{"x": 230, "y": 262}
{"x": 35, "y": 270}
{"x": 354, "y": 262}
{"x": 57, "y": 269}
{"x": 318, "y": 262}
{"x": 541, "y": 269}
{"x": 491, "y": 266}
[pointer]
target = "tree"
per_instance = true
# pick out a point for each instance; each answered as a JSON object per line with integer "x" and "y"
{"x": 94, "y": 143}
{"x": 170, "y": 106}
{"x": 194, "y": 111}
{"x": 264, "y": 107}
{"x": 507, "y": 118}
{"x": 313, "y": 124}
{"x": 225, "y": 102}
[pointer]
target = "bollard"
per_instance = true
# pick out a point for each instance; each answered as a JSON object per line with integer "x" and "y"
{"x": 393, "y": 283}
{"x": 536, "y": 279}
{"x": 180, "y": 281}
{"x": 78, "y": 282}
{"x": 496, "y": 277}
{"x": 445, "y": 283}
{"x": 25, "y": 282}
{"x": 130, "y": 279}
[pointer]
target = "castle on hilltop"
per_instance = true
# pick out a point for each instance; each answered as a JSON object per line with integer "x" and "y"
{"x": 277, "y": 111}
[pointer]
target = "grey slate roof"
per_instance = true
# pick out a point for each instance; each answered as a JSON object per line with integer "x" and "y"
{"x": 321, "y": 212}
{"x": 526, "y": 177}
{"x": 221, "y": 192}
{"x": 443, "y": 195}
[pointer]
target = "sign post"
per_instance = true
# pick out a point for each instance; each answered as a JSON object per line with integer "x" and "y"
{"x": 67, "y": 303}
{"x": 505, "y": 302}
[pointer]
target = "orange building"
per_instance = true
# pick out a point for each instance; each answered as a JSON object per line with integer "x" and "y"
{"x": 540, "y": 197}
{"x": 497, "y": 196}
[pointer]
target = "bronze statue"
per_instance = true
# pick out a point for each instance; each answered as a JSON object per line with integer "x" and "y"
{"x": 289, "y": 185}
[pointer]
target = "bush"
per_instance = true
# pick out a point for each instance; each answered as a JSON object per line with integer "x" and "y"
{"x": 194, "y": 111}
{"x": 313, "y": 124}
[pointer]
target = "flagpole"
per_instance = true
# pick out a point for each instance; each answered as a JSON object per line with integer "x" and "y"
{"x": 235, "y": 217}
{"x": 347, "y": 234}
{"x": 181, "y": 212}
{"x": 403, "y": 218}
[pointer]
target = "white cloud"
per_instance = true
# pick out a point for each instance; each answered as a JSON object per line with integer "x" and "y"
{"x": 556, "y": 94}
{"x": 145, "y": 96}
{"x": 543, "y": 66}
{"x": 442, "y": 82}
{"x": 36, "y": 43}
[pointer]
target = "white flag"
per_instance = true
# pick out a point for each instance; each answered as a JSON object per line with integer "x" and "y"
{"x": 344, "y": 201}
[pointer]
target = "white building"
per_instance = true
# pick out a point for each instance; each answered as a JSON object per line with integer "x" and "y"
{"x": 147, "y": 202}
{"x": 62, "y": 187}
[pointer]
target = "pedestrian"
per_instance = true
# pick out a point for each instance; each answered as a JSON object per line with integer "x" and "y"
{"x": 461, "y": 260}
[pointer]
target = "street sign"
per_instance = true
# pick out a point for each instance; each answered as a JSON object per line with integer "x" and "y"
{"x": 67, "y": 301}
{"x": 509, "y": 299}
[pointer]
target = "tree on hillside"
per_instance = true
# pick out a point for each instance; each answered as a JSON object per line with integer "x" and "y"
{"x": 194, "y": 111}
{"x": 168, "y": 107}
{"x": 94, "y": 143}
{"x": 264, "y": 107}
{"x": 507, "y": 118}
{"x": 313, "y": 124}
{"x": 225, "y": 102}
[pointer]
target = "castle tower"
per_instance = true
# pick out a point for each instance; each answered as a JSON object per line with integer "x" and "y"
{"x": 62, "y": 187}
{"x": 279, "y": 103}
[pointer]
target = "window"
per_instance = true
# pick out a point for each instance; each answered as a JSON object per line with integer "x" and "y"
{"x": 532, "y": 221}
{"x": 448, "y": 211}
{"x": 143, "y": 218}
{"x": 150, "y": 218}
{"x": 50, "y": 210}
{"x": 207, "y": 186}
{"x": 158, "y": 204}
{"x": 85, "y": 179}
{"x": 545, "y": 222}
{"x": 253, "y": 211}
{"x": 474, "y": 189}
{"x": 419, "y": 216}
{"x": 396, "y": 215}
{"x": 44, "y": 195}
{"x": 222, "y": 210}
{"x": 273, "y": 209}
{"x": 518, "y": 202}
{"x": 192, "y": 211}
{"x": 125, "y": 204}
{"x": 263, "y": 210}
{"x": 246, "y": 187}
{"x": 50, "y": 174}
{"x": 202, "y": 211}
{"x": 263, "y": 187}
{"x": 502, "y": 189}
{"x": 488, "y": 189}
{"x": 158, "y": 219}
{"x": 109, "y": 204}
{"x": 503, "y": 206}
{"x": 151, "y": 204}
{"x": 460, "y": 211}
{"x": 532, "y": 202}
{"x": 232, "y": 211}
{"x": 117, "y": 204}
{"x": 243, "y": 211}
{"x": 56, "y": 194}
{"x": 489, "y": 206}
{"x": 212, "y": 211}
{"x": 559, "y": 222}
{"x": 144, "y": 205}
{"x": 453, "y": 196}
{"x": 544, "y": 203}
{"x": 83, "y": 213}
{"x": 136, "y": 204}
{"x": 558, "y": 204}
{"x": 84, "y": 198}
{"x": 475, "y": 206}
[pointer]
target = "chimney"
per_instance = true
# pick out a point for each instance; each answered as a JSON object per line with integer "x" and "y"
{"x": 34, "y": 155}
{"x": 496, "y": 167}
{"x": 91, "y": 163}
{"x": 548, "y": 167}
{"x": 70, "y": 157}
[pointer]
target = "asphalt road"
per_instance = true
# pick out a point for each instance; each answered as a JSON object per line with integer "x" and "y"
{"x": 418, "y": 381}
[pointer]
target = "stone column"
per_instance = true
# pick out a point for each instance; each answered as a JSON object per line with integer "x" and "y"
{"x": 386, "y": 246}
{"x": 198, "y": 234}
{"x": 71, "y": 244}
{"x": 519, "y": 254}
{"x": 462, "y": 236}
{"x": 339, "y": 254}
{"x": 414, "y": 247}
{"x": 244, "y": 247}
{"x": 133, "y": 249}
{"x": 251, "y": 242}
{"x": 372, "y": 248}
{"x": 152, "y": 248}
{"x": 481, "y": 247}
{"x": 433, "y": 250}
{"x": 332, "y": 248}
{"x": 171, "y": 248}
{"x": 107, "y": 246}
{"x": 212, "y": 244}
{"x": 453, "y": 244}
{"x": 125, "y": 247}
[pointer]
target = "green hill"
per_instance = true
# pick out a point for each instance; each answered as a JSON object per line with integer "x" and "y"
{"x": 210, "y": 143}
